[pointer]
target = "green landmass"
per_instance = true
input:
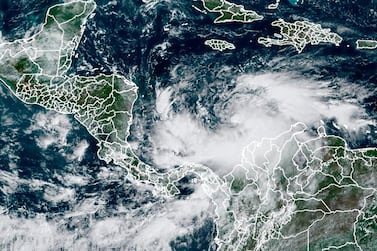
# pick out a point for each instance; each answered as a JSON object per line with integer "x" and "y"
{"x": 237, "y": 185}
{"x": 35, "y": 70}
{"x": 230, "y": 12}
{"x": 299, "y": 34}
{"x": 219, "y": 45}
{"x": 296, "y": 187}
{"x": 366, "y": 44}
{"x": 330, "y": 189}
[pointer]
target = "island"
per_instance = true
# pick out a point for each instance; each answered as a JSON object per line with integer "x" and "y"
{"x": 362, "y": 44}
{"x": 275, "y": 5}
{"x": 230, "y": 12}
{"x": 288, "y": 191}
{"x": 219, "y": 45}
{"x": 35, "y": 69}
{"x": 299, "y": 34}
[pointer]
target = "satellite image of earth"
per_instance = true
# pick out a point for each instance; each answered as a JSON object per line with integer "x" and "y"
{"x": 149, "y": 125}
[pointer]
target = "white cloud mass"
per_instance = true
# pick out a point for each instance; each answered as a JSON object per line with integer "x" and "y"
{"x": 259, "y": 106}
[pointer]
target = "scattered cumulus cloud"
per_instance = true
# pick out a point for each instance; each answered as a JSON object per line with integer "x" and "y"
{"x": 52, "y": 129}
{"x": 175, "y": 220}
{"x": 151, "y": 227}
{"x": 55, "y": 128}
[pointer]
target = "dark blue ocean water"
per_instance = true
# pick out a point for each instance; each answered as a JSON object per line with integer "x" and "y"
{"x": 127, "y": 41}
